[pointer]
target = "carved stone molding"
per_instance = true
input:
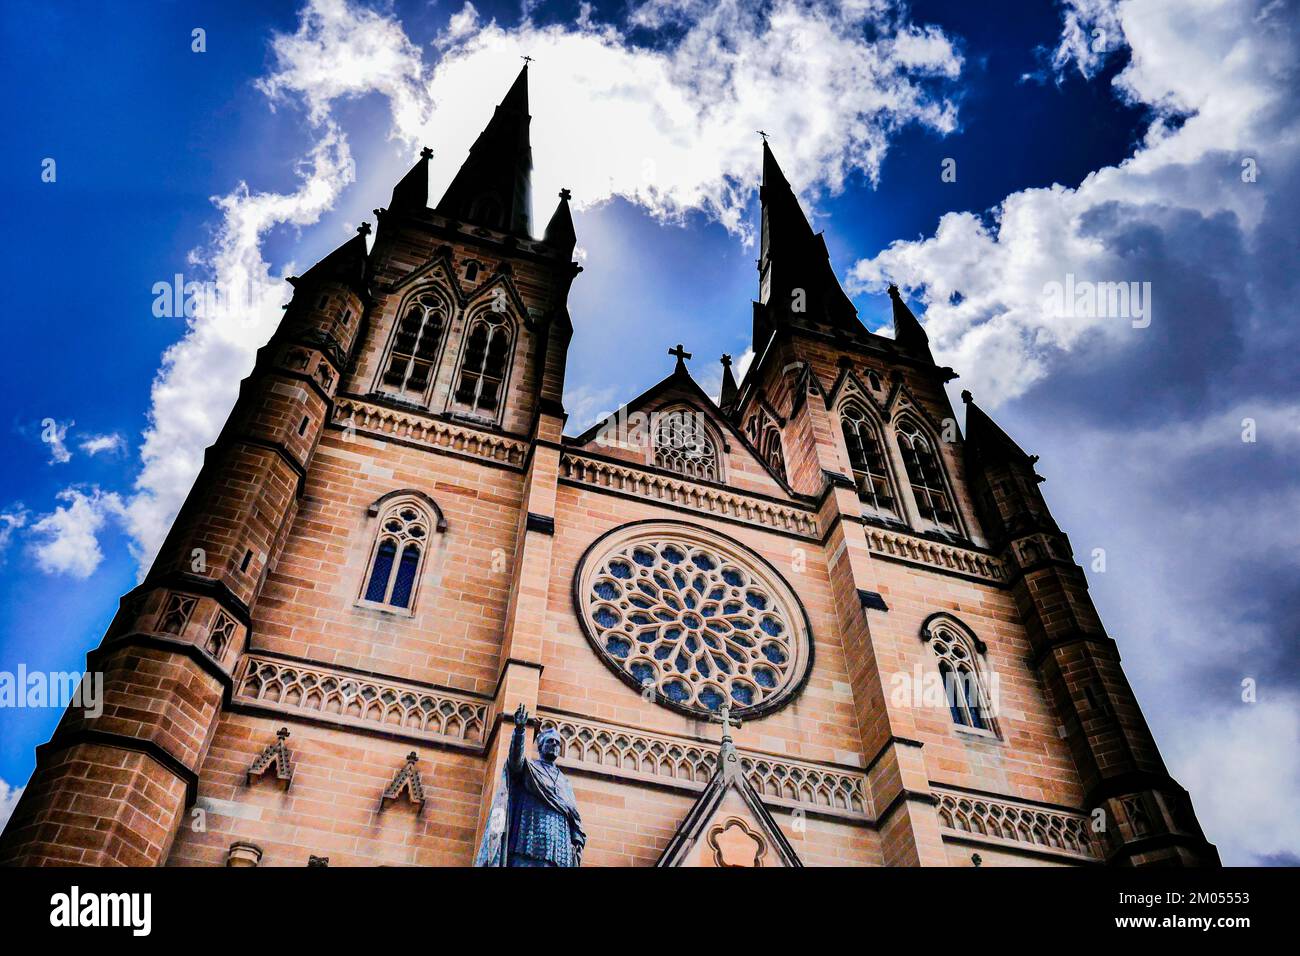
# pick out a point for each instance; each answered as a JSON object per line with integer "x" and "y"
{"x": 946, "y": 557}
{"x": 407, "y": 780}
{"x": 680, "y": 762}
{"x": 427, "y": 430}
{"x": 630, "y": 480}
{"x": 275, "y": 755}
{"x": 1017, "y": 824}
{"x": 289, "y": 687}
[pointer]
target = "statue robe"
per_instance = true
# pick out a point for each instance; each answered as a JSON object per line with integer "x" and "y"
{"x": 534, "y": 821}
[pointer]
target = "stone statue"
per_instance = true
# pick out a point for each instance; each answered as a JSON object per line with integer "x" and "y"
{"x": 534, "y": 819}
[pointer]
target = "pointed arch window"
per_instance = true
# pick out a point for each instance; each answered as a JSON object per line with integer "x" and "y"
{"x": 867, "y": 458}
{"x": 765, "y": 436}
{"x": 925, "y": 475}
{"x": 413, "y": 355}
{"x": 684, "y": 444}
{"x": 484, "y": 363}
{"x": 964, "y": 687}
{"x": 397, "y": 556}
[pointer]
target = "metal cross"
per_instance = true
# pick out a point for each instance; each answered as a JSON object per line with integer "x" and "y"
{"x": 763, "y": 133}
{"x": 526, "y": 59}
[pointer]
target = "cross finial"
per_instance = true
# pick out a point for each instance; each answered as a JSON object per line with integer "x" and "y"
{"x": 726, "y": 360}
{"x": 527, "y": 60}
{"x": 728, "y": 722}
{"x": 763, "y": 133}
{"x": 565, "y": 194}
{"x": 426, "y": 153}
{"x": 364, "y": 229}
{"x": 681, "y": 354}
{"x": 413, "y": 757}
{"x": 283, "y": 733}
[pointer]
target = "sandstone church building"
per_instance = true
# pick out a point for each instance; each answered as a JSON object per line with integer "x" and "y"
{"x": 736, "y": 623}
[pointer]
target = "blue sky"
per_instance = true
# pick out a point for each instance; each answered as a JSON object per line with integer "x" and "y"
{"x": 1101, "y": 140}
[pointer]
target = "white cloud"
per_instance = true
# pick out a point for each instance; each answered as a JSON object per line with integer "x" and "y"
{"x": 1212, "y": 61}
{"x": 94, "y": 444}
{"x": 1091, "y": 32}
{"x": 66, "y": 540}
{"x": 11, "y": 521}
{"x": 342, "y": 50}
{"x": 8, "y": 800}
{"x": 1240, "y": 788}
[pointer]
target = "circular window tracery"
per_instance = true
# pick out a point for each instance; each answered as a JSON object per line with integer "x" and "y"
{"x": 695, "y": 617}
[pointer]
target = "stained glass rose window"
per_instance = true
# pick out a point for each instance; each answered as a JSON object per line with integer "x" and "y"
{"x": 694, "y": 617}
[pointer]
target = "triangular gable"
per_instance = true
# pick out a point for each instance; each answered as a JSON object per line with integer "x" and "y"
{"x": 504, "y": 277}
{"x": 440, "y": 260}
{"x": 729, "y": 825}
{"x": 848, "y": 385}
{"x": 681, "y": 387}
{"x": 902, "y": 400}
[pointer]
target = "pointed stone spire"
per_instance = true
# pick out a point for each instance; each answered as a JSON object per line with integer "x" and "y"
{"x": 345, "y": 264}
{"x": 412, "y": 193}
{"x": 907, "y": 330}
{"x": 493, "y": 187}
{"x": 729, "y": 390}
{"x": 987, "y": 443}
{"x": 785, "y": 228}
{"x": 559, "y": 231}
{"x": 796, "y": 281}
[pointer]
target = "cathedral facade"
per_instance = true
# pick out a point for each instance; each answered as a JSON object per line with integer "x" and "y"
{"x": 809, "y": 624}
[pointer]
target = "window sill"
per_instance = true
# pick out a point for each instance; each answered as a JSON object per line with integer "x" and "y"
{"x": 384, "y": 608}
{"x": 975, "y": 732}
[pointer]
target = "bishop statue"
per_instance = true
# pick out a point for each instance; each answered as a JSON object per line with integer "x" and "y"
{"x": 534, "y": 819}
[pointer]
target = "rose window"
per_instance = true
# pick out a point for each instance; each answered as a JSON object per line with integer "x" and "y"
{"x": 695, "y": 618}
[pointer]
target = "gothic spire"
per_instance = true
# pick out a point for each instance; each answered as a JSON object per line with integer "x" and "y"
{"x": 988, "y": 443}
{"x": 796, "y": 281}
{"x": 729, "y": 390}
{"x": 559, "y": 231}
{"x": 345, "y": 264}
{"x": 492, "y": 188}
{"x": 907, "y": 330}
{"x": 412, "y": 193}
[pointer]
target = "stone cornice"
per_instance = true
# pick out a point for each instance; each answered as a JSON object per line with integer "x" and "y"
{"x": 700, "y": 498}
{"x": 1014, "y": 824}
{"x": 427, "y": 431}
{"x": 333, "y": 695}
{"x": 687, "y": 763}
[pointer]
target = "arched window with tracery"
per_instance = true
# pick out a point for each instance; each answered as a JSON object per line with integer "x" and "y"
{"x": 925, "y": 475}
{"x": 867, "y": 458}
{"x": 684, "y": 444}
{"x": 957, "y": 653}
{"x": 484, "y": 362}
{"x": 765, "y": 436}
{"x": 413, "y": 354}
{"x": 397, "y": 556}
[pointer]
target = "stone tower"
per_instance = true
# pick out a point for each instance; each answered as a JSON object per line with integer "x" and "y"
{"x": 392, "y": 545}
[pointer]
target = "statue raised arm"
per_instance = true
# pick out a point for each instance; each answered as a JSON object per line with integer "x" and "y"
{"x": 535, "y": 819}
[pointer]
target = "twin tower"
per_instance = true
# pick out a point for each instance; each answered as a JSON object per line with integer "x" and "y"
{"x": 392, "y": 544}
